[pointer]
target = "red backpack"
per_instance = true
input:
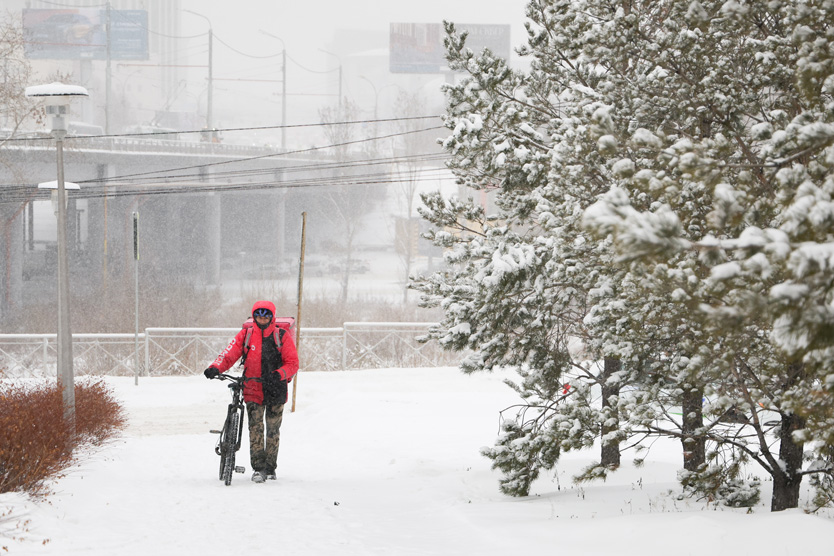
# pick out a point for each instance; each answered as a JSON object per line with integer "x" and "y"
{"x": 282, "y": 326}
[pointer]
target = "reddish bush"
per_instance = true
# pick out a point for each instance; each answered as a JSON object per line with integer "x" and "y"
{"x": 98, "y": 415}
{"x": 34, "y": 439}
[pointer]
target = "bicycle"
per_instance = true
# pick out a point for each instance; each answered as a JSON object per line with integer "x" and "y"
{"x": 230, "y": 435}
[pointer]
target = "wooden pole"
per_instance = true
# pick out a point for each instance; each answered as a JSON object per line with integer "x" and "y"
{"x": 136, "y": 292}
{"x": 300, "y": 289}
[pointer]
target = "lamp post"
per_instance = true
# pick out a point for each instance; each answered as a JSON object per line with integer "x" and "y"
{"x": 340, "y": 75}
{"x": 283, "y": 89}
{"x": 209, "y": 115}
{"x": 376, "y": 94}
{"x": 57, "y": 97}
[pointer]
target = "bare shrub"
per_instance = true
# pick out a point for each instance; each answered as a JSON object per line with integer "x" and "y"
{"x": 34, "y": 440}
{"x": 35, "y": 443}
{"x": 98, "y": 415}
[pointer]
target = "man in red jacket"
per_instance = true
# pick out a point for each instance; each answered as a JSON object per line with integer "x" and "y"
{"x": 271, "y": 357}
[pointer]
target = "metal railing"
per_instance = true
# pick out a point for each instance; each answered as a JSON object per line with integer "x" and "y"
{"x": 181, "y": 351}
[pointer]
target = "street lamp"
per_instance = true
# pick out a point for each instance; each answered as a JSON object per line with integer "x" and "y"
{"x": 376, "y": 94}
{"x": 283, "y": 89}
{"x": 57, "y": 97}
{"x": 209, "y": 118}
{"x": 55, "y": 196}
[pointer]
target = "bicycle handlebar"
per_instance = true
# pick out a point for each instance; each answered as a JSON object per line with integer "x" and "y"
{"x": 237, "y": 379}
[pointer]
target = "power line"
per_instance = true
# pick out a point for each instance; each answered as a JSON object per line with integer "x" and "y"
{"x": 294, "y": 61}
{"x": 185, "y": 183}
{"x": 167, "y": 36}
{"x": 233, "y": 49}
{"x": 136, "y": 184}
{"x": 273, "y": 155}
{"x": 21, "y": 194}
{"x": 226, "y": 130}
{"x": 192, "y": 188}
{"x": 318, "y": 167}
{"x": 141, "y": 176}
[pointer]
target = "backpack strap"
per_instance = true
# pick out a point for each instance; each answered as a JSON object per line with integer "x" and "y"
{"x": 249, "y": 327}
{"x": 279, "y": 333}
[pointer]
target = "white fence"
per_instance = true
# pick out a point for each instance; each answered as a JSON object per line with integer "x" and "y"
{"x": 179, "y": 351}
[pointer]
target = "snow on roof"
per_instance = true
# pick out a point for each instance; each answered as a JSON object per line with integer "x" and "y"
{"x": 56, "y": 90}
{"x": 54, "y": 185}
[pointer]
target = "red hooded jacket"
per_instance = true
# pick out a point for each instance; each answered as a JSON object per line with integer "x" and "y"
{"x": 252, "y": 390}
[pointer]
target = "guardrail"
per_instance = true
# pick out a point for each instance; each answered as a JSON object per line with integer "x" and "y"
{"x": 181, "y": 351}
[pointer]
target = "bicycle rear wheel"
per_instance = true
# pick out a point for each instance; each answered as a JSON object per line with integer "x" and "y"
{"x": 227, "y": 449}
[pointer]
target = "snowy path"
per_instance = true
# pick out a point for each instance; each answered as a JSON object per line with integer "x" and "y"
{"x": 372, "y": 462}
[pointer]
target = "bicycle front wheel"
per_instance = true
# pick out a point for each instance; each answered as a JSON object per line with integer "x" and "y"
{"x": 222, "y": 461}
{"x": 228, "y": 445}
{"x": 222, "y": 444}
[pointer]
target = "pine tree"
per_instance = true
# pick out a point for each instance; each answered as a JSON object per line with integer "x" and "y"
{"x": 518, "y": 283}
{"x": 662, "y": 182}
{"x": 751, "y": 76}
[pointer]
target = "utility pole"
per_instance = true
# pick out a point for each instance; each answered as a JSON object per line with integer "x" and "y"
{"x": 300, "y": 297}
{"x": 58, "y": 97}
{"x": 108, "y": 75}
{"x": 340, "y": 87}
{"x": 284, "y": 99}
{"x": 65, "y": 370}
{"x": 340, "y": 75}
{"x": 283, "y": 88}
{"x": 136, "y": 299}
{"x": 376, "y": 95}
{"x": 209, "y": 108}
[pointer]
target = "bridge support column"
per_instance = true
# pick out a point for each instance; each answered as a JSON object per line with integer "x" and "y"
{"x": 100, "y": 220}
{"x": 11, "y": 260}
{"x": 281, "y": 240}
{"x": 214, "y": 238}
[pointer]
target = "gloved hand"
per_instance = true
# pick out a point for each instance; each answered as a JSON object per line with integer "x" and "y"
{"x": 212, "y": 372}
{"x": 274, "y": 387}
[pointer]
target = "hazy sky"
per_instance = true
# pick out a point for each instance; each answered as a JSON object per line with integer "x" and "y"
{"x": 306, "y": 28}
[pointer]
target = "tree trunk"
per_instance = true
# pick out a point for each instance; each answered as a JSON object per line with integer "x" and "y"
{"x": 610, "y": 456}
{"x": 694, "y": 446}
{"x": 787, "y": 480}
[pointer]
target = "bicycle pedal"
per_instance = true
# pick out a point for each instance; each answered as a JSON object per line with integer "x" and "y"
{"x": 240, "y": 469}
{"x": 213, "y": 431}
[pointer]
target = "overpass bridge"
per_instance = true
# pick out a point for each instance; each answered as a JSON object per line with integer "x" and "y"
{"x": 200, "y": 205}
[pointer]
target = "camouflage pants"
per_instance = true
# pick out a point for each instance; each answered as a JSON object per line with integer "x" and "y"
{"x": 263, "y": 452}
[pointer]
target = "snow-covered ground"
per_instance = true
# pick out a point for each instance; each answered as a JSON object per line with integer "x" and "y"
{"x": 372, "y": 462}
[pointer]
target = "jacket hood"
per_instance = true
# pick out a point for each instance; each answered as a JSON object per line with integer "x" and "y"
{"x": 267, "y": 330}
{"x": 263, "y": 305}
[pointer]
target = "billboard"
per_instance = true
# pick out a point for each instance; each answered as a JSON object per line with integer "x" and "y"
{"x": 81, "y": 34}
{"x": 418, "y": 47}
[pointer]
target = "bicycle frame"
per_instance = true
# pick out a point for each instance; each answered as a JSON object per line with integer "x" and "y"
{"x": 232, "y": 431}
